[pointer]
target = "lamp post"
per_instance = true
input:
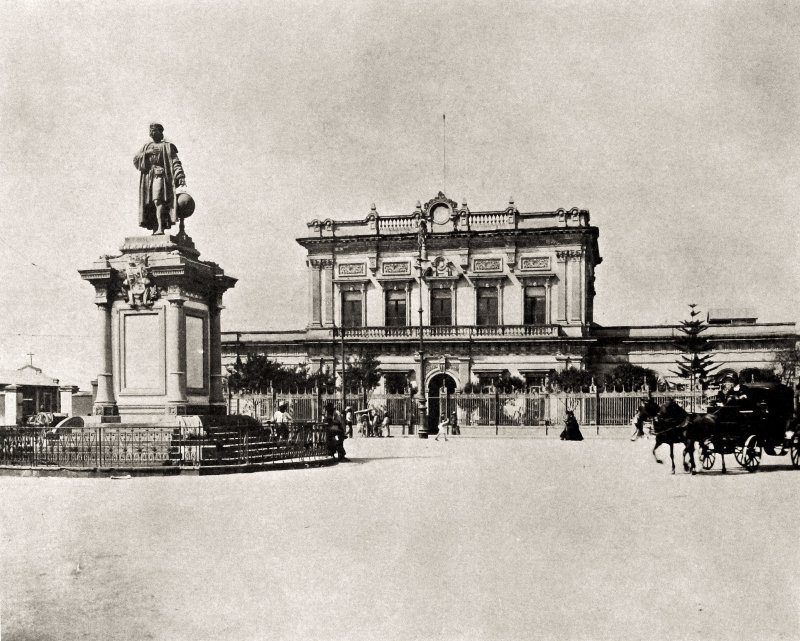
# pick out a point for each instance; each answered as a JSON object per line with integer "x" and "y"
{"x": 422, "y": 258}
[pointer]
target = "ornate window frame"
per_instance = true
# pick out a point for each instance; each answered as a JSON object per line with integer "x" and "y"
{"x": 538, "y": 280}
{"x": 352, "y": 286}
{"x": 395, "y": 284}
{"x": 496, "y": 281}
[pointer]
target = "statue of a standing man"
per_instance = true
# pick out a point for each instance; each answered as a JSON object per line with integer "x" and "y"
{"x": 161, "y": 173}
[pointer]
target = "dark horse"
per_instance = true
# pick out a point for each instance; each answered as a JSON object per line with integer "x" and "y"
{"x": 673, "y": 425}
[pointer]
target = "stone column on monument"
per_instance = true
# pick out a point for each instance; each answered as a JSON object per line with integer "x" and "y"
{"x": 105, "y": 401}
{"x": 215, "y": 353}
{"x": 176, "y": 355}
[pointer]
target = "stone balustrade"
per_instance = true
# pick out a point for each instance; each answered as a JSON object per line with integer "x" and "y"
{"x": 448, "y": 331}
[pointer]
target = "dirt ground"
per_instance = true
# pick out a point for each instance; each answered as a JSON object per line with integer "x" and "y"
{"x": 477, "y": 538}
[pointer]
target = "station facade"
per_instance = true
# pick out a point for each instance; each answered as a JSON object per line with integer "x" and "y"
{"x": 453, "y": 296}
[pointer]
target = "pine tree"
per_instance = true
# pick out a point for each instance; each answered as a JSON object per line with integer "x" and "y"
{"x": 694, "y": 364}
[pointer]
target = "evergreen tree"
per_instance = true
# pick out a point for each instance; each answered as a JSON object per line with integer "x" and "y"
{"x": 694, "y": 364}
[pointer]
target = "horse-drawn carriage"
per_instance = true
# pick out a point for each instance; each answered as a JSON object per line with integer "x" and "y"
{"x": 759, "y": 419}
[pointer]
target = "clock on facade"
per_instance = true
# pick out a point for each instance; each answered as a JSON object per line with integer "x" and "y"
{"x": 440, "y": 214}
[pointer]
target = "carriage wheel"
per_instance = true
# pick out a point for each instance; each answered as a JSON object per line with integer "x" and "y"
{"x": 738, "y": 454}
{"x": 707, "y": 455}
{"x": 795, "y": 452}
{"x": 751, "y": 455}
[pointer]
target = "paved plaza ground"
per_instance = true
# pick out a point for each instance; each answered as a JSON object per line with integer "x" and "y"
{"x": 476, "y": 538}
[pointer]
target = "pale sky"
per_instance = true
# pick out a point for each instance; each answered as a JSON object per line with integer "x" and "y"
{"x": 676, "y": 126}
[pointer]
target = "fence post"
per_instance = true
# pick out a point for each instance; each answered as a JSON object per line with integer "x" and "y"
{"x": 496, "y": 411}
{"x": 597, "y": 410}
{"x": 411, "y": 413}
{"x": 316, "y": 413}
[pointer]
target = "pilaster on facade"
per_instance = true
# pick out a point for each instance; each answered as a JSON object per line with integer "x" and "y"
{"x": 571, "y": 306}
{"x": 321, "y": 291}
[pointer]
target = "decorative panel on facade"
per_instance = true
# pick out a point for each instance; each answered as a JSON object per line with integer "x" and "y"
{"x": 487, "y": 265}
{"x": 352, "y": 269}
{"x": 535, "y": 263}
{"x": 399, "y": 268}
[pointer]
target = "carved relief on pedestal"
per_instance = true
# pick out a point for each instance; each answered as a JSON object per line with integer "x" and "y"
{"x": 138, "y": 286}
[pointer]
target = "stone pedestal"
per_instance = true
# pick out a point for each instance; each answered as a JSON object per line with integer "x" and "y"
{"x": 159, "y": 329}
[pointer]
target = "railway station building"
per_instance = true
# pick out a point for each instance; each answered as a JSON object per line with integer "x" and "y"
{"x": 490, "y": 292}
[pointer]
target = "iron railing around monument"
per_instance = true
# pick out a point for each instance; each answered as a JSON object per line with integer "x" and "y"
{"x": 139, "y": 447}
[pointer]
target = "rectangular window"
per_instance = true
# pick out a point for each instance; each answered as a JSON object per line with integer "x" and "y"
{"x": 396, "y": 308}
{"x": 536, "y": 380}
{"x": 487, "y": 306}
{"x": 441, "y": 307}
{"x": 535, "y": 306}
{"x": 351, "y": 309}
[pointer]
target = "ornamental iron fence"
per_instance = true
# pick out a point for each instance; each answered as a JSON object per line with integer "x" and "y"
{"x": 523, "y": 409}
{"x": 140, "y": 447}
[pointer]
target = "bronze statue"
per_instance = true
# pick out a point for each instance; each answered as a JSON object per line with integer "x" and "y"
{"x": 160, "y": 203}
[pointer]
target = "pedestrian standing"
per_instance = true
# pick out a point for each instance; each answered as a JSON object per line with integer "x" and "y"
{"x": 363, "y": 423}
{"x": 454, "y": 428}
{"x": 372, "y": 421}
{"x": 282, "y": 418}
{"x": 333, "y": 423}
{"x": 348, "y": 422}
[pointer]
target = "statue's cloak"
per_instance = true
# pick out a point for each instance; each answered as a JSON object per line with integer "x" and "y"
{"x": 171, "y": 164}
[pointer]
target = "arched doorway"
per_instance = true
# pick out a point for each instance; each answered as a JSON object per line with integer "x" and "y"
{"x": 439, "y": 387}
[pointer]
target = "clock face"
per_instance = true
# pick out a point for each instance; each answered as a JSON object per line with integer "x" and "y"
{"x": 441, "y": 214}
